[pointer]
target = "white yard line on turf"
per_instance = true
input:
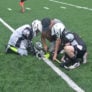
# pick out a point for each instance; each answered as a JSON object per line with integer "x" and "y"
{"x": 65, "y": 77}
{"x": 9, "y": 9}
{"x": 27, "y": 8}
{"x": 68, "y": 4}
{"x": 6, "y": 25}
{"x": 63, "y": 7}
{"x": 46, "y": 8}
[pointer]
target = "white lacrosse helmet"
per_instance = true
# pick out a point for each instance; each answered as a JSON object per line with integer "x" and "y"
{"x": 57, "y": 29}
{"x": 37, "y": 26}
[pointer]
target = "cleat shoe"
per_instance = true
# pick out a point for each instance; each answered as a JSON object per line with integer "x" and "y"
{"x": 62, "y": 65}
{"x": 74, "y": 65}
{"x": 67, "y": 68}
{"x": 84, "y": 60}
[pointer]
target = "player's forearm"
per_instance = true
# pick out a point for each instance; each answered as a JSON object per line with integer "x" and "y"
{"x": 58, "y": 41}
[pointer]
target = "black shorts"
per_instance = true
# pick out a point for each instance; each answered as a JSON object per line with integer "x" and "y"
{"x": 79, "y": 53}
{"x": 23, "y": 0}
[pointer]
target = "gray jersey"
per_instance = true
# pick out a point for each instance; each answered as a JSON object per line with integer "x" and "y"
{"x": 18, "y": 34}
{"x": 74, "y": 40}
{"x": 56, "y": 21}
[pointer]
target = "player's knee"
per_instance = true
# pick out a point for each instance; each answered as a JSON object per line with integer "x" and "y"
{"x": 69, "y": 49}
{"x": 22, "y": 52}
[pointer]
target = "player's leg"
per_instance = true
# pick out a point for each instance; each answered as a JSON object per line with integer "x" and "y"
{"x": 11, "y": 49}
{"x": 22, "y": 50}
{"x": 22, "y": 5}
{"x": 85, "y": 58}
{"x": 70, "y": 57}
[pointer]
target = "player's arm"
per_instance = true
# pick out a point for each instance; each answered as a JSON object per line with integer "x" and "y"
{"x": 58, "y": 42}
{"x": 22, "y": 5}
{"x": 43, "y": 39}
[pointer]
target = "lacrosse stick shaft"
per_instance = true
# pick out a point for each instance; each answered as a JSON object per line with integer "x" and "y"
{"x": 58, "y": 61}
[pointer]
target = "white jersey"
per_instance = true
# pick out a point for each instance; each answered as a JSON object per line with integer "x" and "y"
{"x": 57, "y": 29}
{"x": 56, "y": 21}
{"x": 18, "y": 34}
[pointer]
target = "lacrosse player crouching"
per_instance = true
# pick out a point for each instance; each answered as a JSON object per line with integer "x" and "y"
{"x": 20, "y": 41}
{"x": 74, "y": 47}
{"x": 47, "y": 24}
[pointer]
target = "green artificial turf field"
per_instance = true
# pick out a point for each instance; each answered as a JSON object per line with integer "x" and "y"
{"x": 28, "y": 74}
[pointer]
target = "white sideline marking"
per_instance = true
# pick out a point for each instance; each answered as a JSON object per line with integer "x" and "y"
{"x": 28, "y": 8}
{"x": 46, "y": 8}
{"x": 6, "y": 25}
{"x": 63, "y": 7}
{"x": 76, "y": 6}
{"x": 65, "y": 77}
{"x": 9, "y": 9}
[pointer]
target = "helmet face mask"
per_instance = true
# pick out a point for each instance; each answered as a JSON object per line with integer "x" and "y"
{"x": 37, "y": 26}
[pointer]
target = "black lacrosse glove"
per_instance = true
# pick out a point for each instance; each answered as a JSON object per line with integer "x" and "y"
{"x": 31, "y": 49}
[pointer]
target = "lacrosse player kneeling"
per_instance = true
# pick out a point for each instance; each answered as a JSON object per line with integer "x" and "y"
{"x": 20, "y": 41}
{"x": 74, "y": 47}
